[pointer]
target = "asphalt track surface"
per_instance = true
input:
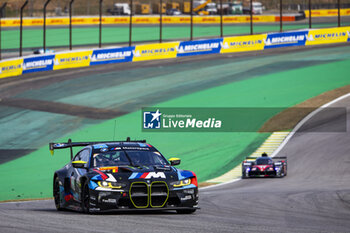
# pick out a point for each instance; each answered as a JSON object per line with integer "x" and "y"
{"x": 314, "y": 197}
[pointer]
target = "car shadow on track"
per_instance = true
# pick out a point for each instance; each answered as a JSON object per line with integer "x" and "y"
{"x": 110, "y": 212}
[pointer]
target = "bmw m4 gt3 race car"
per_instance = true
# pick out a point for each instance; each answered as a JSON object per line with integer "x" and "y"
{"x": 122, "y": 175}
{"x": 264, "y": 166}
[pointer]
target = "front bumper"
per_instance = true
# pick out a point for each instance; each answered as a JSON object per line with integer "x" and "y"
{"x": 128, "y": 200}
{"x": 262, "y": 174}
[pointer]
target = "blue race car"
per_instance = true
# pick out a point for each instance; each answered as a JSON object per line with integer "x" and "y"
{"x": 122, "y": 175}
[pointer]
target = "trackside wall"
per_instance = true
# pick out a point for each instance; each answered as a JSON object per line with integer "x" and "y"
{"x": 83, "y": 58}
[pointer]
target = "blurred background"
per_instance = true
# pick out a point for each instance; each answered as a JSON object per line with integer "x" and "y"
{"x": 91, "y": 7}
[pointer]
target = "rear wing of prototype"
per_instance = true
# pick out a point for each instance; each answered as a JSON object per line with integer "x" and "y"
{"x": 285, "y": 158}
{"x": 250, "y": 159}
{"x": 59, "y": 145}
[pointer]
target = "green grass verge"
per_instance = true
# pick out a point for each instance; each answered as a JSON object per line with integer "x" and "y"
{"x": 87, "y": 36}
{"x": 208, "y": 154}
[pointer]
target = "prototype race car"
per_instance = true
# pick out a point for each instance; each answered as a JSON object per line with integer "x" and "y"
{"x": 122, "y": 175}
{"x": 264, "y": 166}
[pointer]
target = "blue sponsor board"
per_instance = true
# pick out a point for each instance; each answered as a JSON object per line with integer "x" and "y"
{"x": 276, "y": 40}
{"x": 199, "y": 47}
{"x": 39, "y": 63}
{"x": 105, "y": 56}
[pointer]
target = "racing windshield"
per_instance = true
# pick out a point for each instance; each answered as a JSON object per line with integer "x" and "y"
{"x": 132, "y": 158}
{"x": 264, "y": 161}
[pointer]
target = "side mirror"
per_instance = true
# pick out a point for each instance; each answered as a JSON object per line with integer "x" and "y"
{"x": 79, "y": 164}
{"x": 174, "y": 161}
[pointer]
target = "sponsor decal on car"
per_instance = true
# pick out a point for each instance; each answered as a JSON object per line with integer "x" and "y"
{"x": 111, "y": 169}
{"x": 185, "y": 198}
{"x": 113, "y": 201}
{"x": 59, "y": 145}
{"x": 116, "y": 148}
{"x": 100, "y": 146}
{"x": 147, "y": 175}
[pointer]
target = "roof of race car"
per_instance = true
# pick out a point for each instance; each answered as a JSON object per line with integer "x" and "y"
{"x": 122, "y": 146}
{"x": 264, "y": 158}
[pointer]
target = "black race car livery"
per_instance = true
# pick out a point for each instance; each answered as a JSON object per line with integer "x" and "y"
{"x": 122, "y": 175}
{"x": 264, "y": 167}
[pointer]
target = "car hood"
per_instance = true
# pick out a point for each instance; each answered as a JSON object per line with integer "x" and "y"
{"x": 139, "y": 173}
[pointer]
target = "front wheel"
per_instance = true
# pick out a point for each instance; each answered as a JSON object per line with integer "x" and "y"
{"x": 57, "y": 194}
{"x": 186, "y": 211}
{"x": 280, "y": 175}
{"x": 85, "y": 200}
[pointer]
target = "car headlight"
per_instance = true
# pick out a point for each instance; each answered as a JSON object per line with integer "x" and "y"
{"x": 113, "y": 185}
{"x": 181, "y": 183}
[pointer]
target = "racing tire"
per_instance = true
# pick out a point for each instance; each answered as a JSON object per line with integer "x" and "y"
{"x": 188, "y": 211}
{"x": 85, "y": 199}
{"x": 57, "y": 194}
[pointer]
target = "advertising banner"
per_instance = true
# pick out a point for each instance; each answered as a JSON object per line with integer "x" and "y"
{"x": 117, "y": 20}
{"x": 328, "y": 36}
{"x": 40, "y": 63}
{"x": 155, "y": 51}
{"x": 72, "y": 60}
{"x": 206, "y": 19}
{"x": 145, "y": 20}
{"x": 285, "y": 39}
{"x": 176, "y": 19}
{"x": 327, "y": 12}
{"x": 10, "y": 22}
{"x": 199, "y": 47}
{"x": 11, "y": 68}
{"x": 58, "y": 21}
{"x": 246, "y": 19}
{"x": 142, "y": 19}
{"x": 243, "y": 43}
{"x": 105, "y": 56}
